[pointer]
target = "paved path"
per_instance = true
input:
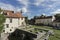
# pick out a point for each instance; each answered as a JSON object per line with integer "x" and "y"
{"x": 40, "y": 35}
{"x": 4, "y": 36}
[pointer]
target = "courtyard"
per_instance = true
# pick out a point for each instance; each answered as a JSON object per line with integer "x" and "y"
{"x": 56, "y": 35}
{"x": 42, "y": 30}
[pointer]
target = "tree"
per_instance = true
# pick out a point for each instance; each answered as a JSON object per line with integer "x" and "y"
{"x": 2, "y": 20}
{"x": 26, "y": 20}
{"x": 0, "y": 10}
{"x": 57, "y": 16}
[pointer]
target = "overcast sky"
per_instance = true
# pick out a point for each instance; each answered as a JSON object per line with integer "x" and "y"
{"x": 32, "y": 7}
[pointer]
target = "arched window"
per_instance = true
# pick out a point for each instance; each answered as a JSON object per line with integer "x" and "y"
{"x": 4, "y": 13}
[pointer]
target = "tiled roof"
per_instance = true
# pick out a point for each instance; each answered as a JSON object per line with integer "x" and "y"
{"x": 8, "y": 13}
{"x": 44, "y": 17}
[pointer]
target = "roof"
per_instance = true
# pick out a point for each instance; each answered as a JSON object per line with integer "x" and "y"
{"x": 44, "y": 17}
{"x": 11, "y": 14}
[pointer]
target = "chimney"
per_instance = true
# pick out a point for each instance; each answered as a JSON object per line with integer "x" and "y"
{"x": 21, "y": 11}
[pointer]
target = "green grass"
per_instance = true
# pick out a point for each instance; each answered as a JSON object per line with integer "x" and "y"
{"x": 56, "y": 35}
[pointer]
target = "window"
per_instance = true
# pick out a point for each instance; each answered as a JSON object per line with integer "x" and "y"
{"x": 10, "y": 29}
{"x": 3, "y": 30}
{"x": 59, "y": 24}
{"x": 10, "y": 20}
{"x": 5, "y": 13}
{"x": 12, "y": 11}
{"x": 7, "y": 25}
{"x": 21, "y": 18}
{"x": 22, "y": 23}
{"x": 56, "y": 25}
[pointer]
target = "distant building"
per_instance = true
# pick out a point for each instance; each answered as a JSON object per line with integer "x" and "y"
{"x": 13, "y": 21}
{"x": 56, "y": 23}
{"x": 53, "y": 21}
{"x": 46, "y": 20}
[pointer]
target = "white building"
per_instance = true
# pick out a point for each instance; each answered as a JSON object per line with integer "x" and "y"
{"x": 13, "y": 21}
{"x": 46, "y": 20}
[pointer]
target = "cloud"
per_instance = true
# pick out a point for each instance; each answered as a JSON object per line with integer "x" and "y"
{"x": 11, "y": 7}
{"x": 24, "y": 2}
{"x": 24, "y": 9}
{"x": 38, "y": 2}
{"x": 29, "y": 15}
{"x": 8, "y": 6}
{"x": 5, "y": 6}
{"x": 50, "y": 6}
{"x": 56, "y": 11}
{"x": 55, "y": 0}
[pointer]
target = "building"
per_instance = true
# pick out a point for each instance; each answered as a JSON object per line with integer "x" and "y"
{"x": 53, "y": 21}
{"x": 13, "y": 21}
{"x": 56, "y": 23}
{"x": 45, "y": 20}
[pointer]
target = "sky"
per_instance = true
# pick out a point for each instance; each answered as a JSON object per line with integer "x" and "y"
{"x": 32, "y": 8}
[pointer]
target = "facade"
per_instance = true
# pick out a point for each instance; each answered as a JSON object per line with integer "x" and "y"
{"x": 46, "y": 20}
{"x": 56, "y": 24}
{"x": 13, "y": 21}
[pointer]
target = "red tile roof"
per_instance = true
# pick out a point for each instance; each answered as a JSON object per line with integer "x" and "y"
{"x": 8, "y": 13}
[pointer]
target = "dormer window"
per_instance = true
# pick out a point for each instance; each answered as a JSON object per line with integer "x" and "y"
{"x": 12, "y": 11}
{"x": 5, "y": 13}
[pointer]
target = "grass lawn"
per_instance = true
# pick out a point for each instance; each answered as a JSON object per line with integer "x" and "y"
{"x": 56, "y": 35}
